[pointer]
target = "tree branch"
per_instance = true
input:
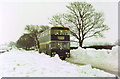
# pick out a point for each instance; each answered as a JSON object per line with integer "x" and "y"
{"x": 70, "y": 20}
{"x": 74, "y": 34}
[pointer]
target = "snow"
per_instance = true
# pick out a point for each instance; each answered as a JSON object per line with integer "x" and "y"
{"x": 74, "y": 44}
{"x": 87, "y": 44}
{"x": 103, "y": 59}
{"x": 4, "y": 47}
{"x": 21, "y": 63}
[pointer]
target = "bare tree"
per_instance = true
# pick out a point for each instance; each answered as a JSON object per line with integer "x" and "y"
{"x": 82, "y": 20}
{"x": 34, "y": 30}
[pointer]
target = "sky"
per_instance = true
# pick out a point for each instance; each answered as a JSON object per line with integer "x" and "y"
{"x": 14, "y": 16}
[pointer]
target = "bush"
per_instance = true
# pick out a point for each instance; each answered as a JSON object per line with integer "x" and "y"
{"x": 26, "y": 41}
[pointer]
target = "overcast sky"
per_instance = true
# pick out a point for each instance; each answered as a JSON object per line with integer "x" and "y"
{"x": 14, "y": 16}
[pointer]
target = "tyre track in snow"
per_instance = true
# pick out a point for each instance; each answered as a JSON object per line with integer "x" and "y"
{"x": 109, "y": 71}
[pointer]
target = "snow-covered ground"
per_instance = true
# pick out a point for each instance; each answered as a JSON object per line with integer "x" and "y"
{"x": 20, "y": 63}
{"x": 104, "y": 59}
{"x": 4, "y": 47}
{"x": 87, "y": 44}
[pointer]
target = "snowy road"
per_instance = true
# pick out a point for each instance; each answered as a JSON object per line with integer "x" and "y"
{"x": 112, "y": 72}
{"x": 103, "y": 59}
{"x": 106, "y": 60}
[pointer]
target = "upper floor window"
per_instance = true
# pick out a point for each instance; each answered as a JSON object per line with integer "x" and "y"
{"x": 59, "y": 32}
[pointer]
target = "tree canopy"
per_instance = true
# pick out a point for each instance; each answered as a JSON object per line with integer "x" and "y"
{"x": 82, "y": 20}
{"x": 30, "y": 38}
{"x": 35, "y": 30}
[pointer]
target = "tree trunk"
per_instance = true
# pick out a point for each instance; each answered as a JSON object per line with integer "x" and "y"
{"x": 37, "y": 42}
{"x": 38, "y": 46}
{"x": 80, "y": 43}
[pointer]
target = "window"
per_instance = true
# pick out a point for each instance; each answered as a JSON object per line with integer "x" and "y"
{"x": 43, "y": 46}
{"x": 60, "y": 45}
{"x": 60, "y": 32}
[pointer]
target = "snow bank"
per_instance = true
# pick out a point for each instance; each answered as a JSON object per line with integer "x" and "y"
{"x": 104, "y": 59}
{"x": 5, "y": 47}
{"x": 20, "y": 63}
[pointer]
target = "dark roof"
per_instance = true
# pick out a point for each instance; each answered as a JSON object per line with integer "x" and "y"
{"x": 60, "y": 28}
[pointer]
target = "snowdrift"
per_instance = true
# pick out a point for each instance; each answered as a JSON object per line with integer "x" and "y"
{"x": 103, "y": 59}
{"x": 20, "y": 63}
